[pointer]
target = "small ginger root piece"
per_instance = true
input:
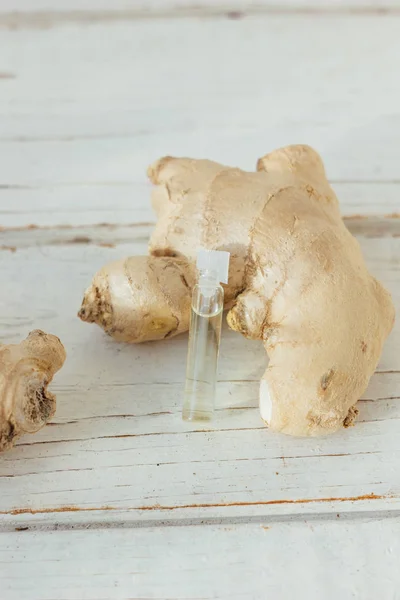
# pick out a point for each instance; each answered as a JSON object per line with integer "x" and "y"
{"x": 26, "y": 369}
{"x": 141, "y": 298}
{"x": 297, "y": 281}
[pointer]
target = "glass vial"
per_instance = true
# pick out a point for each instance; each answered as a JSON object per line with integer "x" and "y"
{"x": 205, "y": 336}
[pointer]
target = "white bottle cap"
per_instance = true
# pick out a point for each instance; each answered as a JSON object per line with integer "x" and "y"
{"x": 215, "y": 262}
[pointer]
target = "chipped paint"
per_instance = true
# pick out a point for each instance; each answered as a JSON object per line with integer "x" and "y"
{"x": 63, "y": 509}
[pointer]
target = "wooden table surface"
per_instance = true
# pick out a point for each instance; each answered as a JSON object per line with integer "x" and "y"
{"x": 118, "y": 498}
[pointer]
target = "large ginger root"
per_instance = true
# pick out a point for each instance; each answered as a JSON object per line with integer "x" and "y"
{"x": 26, "y": 369}
{"x": 297, "y": 281}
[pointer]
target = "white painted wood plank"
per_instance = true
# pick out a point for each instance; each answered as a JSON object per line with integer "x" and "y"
{"x": 123, "y": 203}
{"x": 78, "y": 205}
{"x": 156, "y": 468}
{"x": 137, "y": 410}
{"x": 77, "y": 110}
{"x": 306, "y": 560}
{"x": 118, "y": 441}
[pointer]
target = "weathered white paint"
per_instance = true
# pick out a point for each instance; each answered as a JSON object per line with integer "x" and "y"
{"x": 118, "y": 440}
{"x": 86, "y": 102}
{"x": 307, "y": 560}
{"x": 77, "y": 111}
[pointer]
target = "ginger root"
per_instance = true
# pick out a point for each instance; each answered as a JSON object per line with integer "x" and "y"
{"x": 26, "y": 369}
{"x": 297, "y": 281}
{"x": 141, "y": 298}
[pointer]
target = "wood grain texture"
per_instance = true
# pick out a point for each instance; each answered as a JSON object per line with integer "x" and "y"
{"x": 78, "y": 112}
{"x": 118, "y": 442}
{"x": 90, "y": 94}
{"x": 330, "y": 559}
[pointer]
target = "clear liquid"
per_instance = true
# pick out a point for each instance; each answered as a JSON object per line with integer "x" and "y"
{"x": 201, "y": 373}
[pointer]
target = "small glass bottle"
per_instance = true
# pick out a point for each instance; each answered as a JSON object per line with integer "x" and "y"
{"x": 205, "y": 335}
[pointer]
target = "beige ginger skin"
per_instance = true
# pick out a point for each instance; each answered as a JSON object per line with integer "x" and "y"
{"x": 297, "y": 281}
{"x": 26, "y": 369}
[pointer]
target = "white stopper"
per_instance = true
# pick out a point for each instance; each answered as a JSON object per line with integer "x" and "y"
{"x": 215, "y": 262}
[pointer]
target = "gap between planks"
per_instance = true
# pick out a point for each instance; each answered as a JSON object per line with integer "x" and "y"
{"x": 48, "y": 19}
{"x": 124, "y": 523}
{"x": 104, "y": 517}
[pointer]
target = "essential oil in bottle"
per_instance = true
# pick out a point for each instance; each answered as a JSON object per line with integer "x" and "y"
{"x": 205, "y": 335}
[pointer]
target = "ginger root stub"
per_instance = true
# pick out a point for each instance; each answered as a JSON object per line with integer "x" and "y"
{"x": 297, "y": 281}
{"x": 26, "y": 369}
